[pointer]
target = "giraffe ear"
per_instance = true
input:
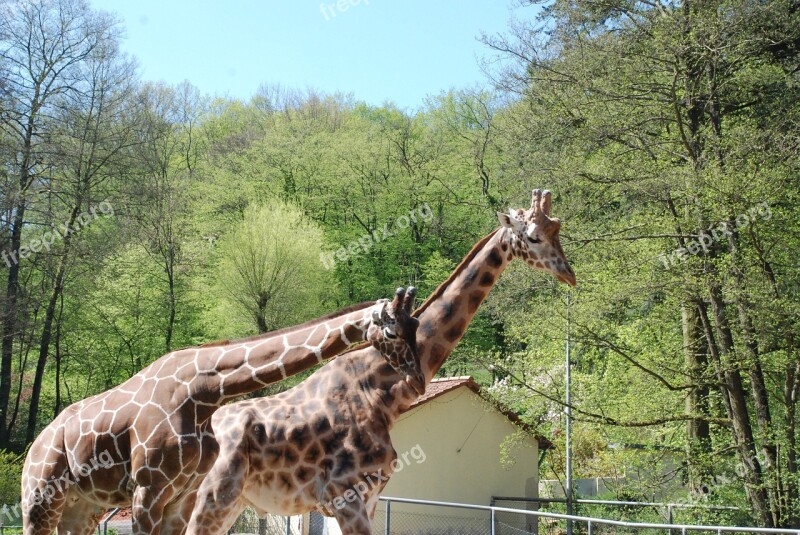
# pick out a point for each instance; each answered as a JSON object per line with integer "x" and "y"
{"x": 379, "y": 312}
{"x": 510, "y": 220}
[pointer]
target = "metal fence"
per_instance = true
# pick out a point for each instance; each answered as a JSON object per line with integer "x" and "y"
{"x": 400, "y": 516}
{"x": 10, "y": 520}
{"x": 659, "y": 512}
{"x": 118, "y": 522}
{"x": 419, "y": 517}
{"x": 250, "y": 523}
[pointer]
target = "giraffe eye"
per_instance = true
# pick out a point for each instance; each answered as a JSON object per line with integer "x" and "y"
{"x": 534, "y": 240}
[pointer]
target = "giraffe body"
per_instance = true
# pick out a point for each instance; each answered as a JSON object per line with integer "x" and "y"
{"x": 152, "y": 432}
{"x": 306, "y": 447}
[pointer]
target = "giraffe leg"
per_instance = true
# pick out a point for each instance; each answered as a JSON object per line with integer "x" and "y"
{"x": 45, "y": 481}
{"x": 42, "y": 518}
{"x": 353, "y": 519}
{"x": 219, "y": 499}
{"x": 148, "y": 509}
{"x": 178, "y": 513}
{"x": 374, "y": 496}
{"x": 79, "y": 518}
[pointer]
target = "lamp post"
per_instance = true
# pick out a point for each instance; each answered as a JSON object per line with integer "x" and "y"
{"x": 568, "y": 413}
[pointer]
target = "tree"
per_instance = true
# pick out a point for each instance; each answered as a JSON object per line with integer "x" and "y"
{"x": 166, "y": 158}
{"x": 94, "y": 128}
{"x": 270, "y": 266}
{"x": 647, "y": 116}
{"x": 44, "y": 44}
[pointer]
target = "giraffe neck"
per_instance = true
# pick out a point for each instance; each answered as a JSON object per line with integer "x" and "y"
{"x": 445, "y": 316}
{"x": 223, "y": 372}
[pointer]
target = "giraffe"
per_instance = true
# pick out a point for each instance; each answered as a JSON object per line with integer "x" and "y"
{"x": 147, "y": 441}
{"x": 325, "y": 444}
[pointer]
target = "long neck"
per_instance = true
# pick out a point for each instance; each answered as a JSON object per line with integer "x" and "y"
{"x": 226, "y": 371}
{"x": 444, "y": 319}
{"x": 445, "y": 316}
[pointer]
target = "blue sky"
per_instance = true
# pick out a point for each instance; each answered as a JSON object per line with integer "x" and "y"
{"x": 380, "y": 50}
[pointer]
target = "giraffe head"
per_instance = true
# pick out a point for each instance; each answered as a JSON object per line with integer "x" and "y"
{"x": 534, "y": 237}
{"x": 394, "y": 333}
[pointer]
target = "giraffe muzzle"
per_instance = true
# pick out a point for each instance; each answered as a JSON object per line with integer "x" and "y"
{"x": 567, "y": 277}
{"x": 417, "y": 382}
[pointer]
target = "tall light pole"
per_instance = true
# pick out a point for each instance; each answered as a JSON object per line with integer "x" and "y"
{"x": 568, "y": 413}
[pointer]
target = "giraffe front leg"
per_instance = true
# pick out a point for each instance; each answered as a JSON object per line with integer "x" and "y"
{"x": 353, "y": 518}
{"x": 148, "y": 509}
{"x": 219, "y": 500}
{"x": 177, "y": 514}
{"x": 45, "y": 482}
{"x": 41, "y": 515}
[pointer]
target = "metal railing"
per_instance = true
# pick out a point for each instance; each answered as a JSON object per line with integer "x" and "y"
{"x": 667, "y": 507}
{"x": 491, "y": 527}
{"x": 591, "y": 523}
{"x": 102, "y": 529}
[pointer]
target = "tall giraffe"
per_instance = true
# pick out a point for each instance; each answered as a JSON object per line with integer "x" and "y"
{"x": 147, "y": 441}
{"x": 325, "y": 444}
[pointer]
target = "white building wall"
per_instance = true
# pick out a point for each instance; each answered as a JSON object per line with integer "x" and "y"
{"x": 450, "y": 450}
{"x": 462, "y": 437}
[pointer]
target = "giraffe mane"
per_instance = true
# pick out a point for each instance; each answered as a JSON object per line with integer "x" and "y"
{"x": 457, "y": 271}
{"x": 310, "y": 323}
{"x": 443, "y": 286}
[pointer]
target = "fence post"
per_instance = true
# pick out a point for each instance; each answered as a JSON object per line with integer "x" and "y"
{"x": 262, "y": 526}
{"x": 108, "y": 519}
{"x": 591, "y": 528}
{"x": 388, "y": 522}
{"x": 492, "y": 528}
{"x": 669, "y": 516}
{"x": 288, "y": 525}
{"x": 3, "y": 519}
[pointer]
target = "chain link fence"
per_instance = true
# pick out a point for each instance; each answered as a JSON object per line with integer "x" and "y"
{"x": 643, "y": 512}
{"x": 10, "y": 520}
{"x": 407, "y": 519}
{"x": 396, "y": 516}
{"x": 249, "y": 523}
{"x": 417, "y": 517}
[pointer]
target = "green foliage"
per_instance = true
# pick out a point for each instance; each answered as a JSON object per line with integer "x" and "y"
{"x": 10, "y": 477}
{"x": 270, "y": 268}
{"x": 655, "y": 124}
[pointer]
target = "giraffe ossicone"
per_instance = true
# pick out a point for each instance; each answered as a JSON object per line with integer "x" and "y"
{"x": 154, "y": 427}
{"x": 320, "y": 440}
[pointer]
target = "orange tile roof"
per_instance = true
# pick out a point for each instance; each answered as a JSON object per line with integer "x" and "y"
{"x": 442, "y": 385}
